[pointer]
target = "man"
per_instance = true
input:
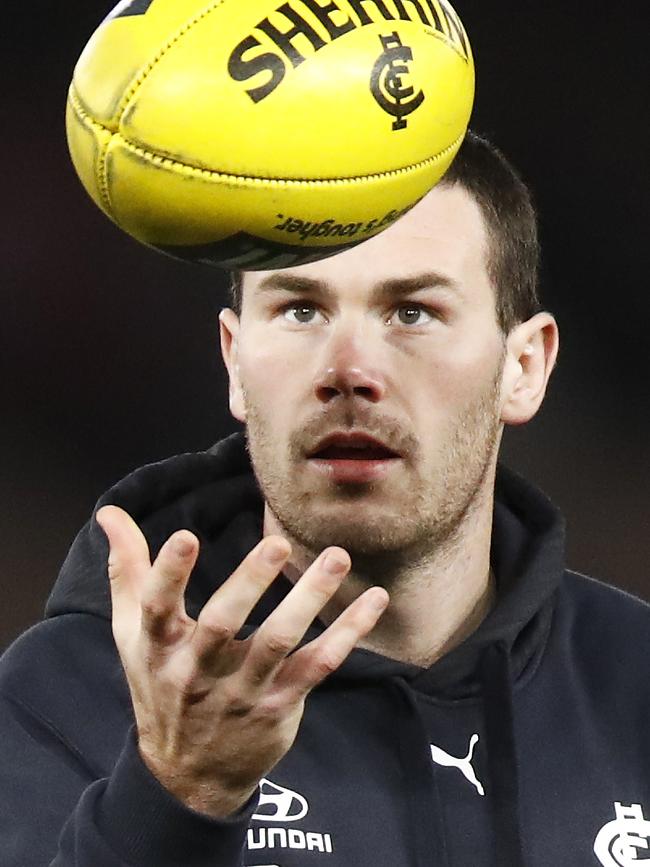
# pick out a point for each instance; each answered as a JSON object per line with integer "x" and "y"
{"x": 447, "y": 695}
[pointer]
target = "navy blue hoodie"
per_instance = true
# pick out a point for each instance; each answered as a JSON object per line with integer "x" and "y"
{"x": 525, "y": 745}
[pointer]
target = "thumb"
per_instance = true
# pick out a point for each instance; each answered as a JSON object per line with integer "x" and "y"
{"x": 129, "y": 559}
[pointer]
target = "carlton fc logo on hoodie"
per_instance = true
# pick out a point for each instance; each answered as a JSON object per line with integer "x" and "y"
{"x": 281, "y": 805}
{"x": 620, "y": 842}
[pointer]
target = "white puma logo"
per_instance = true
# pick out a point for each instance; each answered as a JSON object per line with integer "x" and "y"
{"x": 440, "y": 757}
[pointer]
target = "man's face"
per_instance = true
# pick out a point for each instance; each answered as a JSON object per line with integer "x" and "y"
{"x": 332, "y": 356}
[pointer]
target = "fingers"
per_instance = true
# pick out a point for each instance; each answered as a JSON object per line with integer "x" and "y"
{"x": 164, "y": 618}
{"x": 307, "y": 667}
{"x": 229, "y": 607}
{"x": 141, "y": 592}
{"x": 128, "y": 558}
{"x": 285, "y": 627}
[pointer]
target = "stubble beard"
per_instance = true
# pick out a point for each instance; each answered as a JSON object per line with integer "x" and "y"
{"x": 429, "y": 521}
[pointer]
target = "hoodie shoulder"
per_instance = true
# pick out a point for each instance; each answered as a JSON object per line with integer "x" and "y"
{"x": 53, "y": 658}
{"x": 64, "y": 681}
{"x": 607, "y": 631}
{"x": 614, "y": 606}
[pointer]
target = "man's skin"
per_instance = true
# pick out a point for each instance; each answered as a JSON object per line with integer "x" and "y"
{"x": 214, "y": 715}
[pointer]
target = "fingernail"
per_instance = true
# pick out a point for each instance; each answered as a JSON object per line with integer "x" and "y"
{"x": 183, "y": 547}
{"x": 275, "y": 554}
{"x": 380, "y": 601}
{"x": 334, "y": 565}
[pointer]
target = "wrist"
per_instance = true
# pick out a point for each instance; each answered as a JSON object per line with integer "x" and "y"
{"x": 209, "y": 797}
{"x": 145, "y": 824}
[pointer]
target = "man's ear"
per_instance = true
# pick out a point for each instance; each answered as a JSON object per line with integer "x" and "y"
{"x": 229, "y": 334}
{"x": 531, "y": 354}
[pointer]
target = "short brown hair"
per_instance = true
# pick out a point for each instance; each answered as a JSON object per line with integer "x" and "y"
{"x": 511, "y": 220}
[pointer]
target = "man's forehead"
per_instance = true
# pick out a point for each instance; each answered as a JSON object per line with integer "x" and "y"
{"x": 448, "y": 210}
{"x": 439, "y": 243}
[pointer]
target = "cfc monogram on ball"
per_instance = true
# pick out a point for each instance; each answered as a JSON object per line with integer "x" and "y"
{"x": 387, "y": 83}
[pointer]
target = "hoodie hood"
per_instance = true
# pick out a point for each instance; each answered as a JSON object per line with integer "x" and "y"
{"x": 215, "y": 494}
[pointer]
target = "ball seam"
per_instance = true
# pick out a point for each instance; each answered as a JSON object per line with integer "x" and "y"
{"x": 159, "y": 159}
{"x": 102, "y": 178}
{"x": 101, "y": 175}
{"x": 144, "y": 72}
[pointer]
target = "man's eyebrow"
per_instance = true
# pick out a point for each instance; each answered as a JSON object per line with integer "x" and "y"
{"x": 383, "y": 291}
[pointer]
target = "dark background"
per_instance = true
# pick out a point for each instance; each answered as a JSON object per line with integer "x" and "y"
{"x": 111, "y": 351}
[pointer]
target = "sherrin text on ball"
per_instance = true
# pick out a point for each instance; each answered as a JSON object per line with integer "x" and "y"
{"x": 262, "y": 134}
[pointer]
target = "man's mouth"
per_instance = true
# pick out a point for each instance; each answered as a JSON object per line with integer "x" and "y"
{"x": 347, "y": 453}
{"x": 350, "y": 465}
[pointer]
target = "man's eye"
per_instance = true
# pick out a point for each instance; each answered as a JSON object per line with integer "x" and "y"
{"x": 411, "y": 307}
{"x": 417, "y": 308}
{"x": 302, "y": 306}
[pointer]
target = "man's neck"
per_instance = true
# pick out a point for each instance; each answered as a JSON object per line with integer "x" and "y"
{"x": 425, "y": 627}
{"x": 434, "y": 605}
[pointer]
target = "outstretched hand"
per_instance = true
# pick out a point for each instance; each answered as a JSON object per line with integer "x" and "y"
{"x": 215, "y": 714}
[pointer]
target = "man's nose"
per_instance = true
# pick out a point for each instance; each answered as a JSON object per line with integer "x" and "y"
{"x": 350, "y": 380}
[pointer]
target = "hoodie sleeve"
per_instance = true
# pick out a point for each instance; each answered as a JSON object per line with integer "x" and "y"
{"x": 55, "y": 813}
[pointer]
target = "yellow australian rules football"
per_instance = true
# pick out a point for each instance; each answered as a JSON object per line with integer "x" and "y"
{"x": 254, "y": 134}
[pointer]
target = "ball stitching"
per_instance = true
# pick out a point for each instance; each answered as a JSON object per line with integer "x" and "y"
{"x": 159, "y": 159}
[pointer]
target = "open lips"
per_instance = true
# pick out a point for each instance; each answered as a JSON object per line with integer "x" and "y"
{"x": 355, "y": 446}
